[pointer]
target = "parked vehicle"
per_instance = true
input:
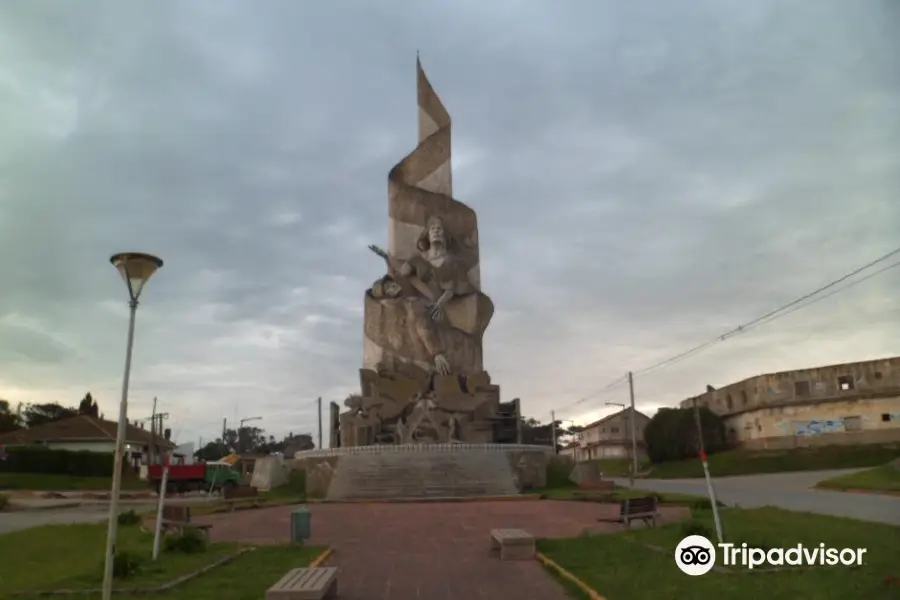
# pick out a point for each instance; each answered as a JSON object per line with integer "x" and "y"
{"x": 211, "y": 476}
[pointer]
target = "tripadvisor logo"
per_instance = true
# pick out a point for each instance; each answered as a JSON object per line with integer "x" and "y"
{"x": 696, "y": 555}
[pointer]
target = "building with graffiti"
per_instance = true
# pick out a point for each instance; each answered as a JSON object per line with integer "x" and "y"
{"x": 852, "y": 403}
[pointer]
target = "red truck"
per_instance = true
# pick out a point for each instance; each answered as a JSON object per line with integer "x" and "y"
{"x": 198, "y": 476}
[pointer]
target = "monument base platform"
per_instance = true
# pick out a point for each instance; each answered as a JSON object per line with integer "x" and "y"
{"x": 423, "y": 471}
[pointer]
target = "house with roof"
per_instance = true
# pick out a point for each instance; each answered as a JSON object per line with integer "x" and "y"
{"x": 85, "y": 432}
{"x": 610, "y": 437}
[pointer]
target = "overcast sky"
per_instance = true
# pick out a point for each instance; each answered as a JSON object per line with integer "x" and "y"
{"x": 647, "y": 175}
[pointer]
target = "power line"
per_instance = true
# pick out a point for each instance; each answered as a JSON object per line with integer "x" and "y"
{"x": 610, "y": 386}
{"x": 770, "y": 316}
{"x": 829, "y": 294}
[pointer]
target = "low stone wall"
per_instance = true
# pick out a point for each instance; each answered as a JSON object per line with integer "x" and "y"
{"x": 845, "y": 438}
{"x": 408, "y": 448}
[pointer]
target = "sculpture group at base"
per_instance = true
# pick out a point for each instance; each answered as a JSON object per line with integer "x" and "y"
{"x": 422, "y": 378}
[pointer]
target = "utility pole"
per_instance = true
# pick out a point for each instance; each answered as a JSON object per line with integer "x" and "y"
{"x": 160, "y": 417}
{"x": 153, "y": 434}
{"x": 709, "y": 483}
{"x": 553, "y": 429}
{"x": 224, "y": 429}
{"x": 634, "y": 455}
{"x": 319, "y": 402}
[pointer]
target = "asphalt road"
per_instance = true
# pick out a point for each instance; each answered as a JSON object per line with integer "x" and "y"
{"x": 65, "y": 512}
{"x": 25, "y": 519}
{"x": 790, "y": 491}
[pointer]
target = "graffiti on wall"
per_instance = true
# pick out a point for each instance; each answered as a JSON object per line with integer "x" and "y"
{"x": 817, "y": 427}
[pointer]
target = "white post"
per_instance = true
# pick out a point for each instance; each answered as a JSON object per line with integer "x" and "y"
{"x": 712, "y": 500}
{"x": 157, "y": 534}
{"x": 709, "y": 484}
{"x": 113, "y": 527}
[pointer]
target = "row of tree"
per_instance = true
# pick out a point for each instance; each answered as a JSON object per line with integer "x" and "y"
{"x": 253, "y": 440}
{"x": 35, "y": 415}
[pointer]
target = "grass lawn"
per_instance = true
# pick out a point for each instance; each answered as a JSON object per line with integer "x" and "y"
{"x": 64, "y": 483}
{"x": 71, "y": 557}
{"x": 880, "y": 479}
{"x": 292, "y": 492}
{"x": 617, "y": 565}
{"x": 739, "y": 462}
{"x": 246, "y": 578}
{"x": 618, "y": 467}
{"x": 293, "y": 489}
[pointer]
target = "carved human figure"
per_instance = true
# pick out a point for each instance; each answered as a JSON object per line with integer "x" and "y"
{"x": 439, "y": 273}
{"x": 424, "y": 408}
{"x": 454, "y": 431}
{"x": 419, "y": 319}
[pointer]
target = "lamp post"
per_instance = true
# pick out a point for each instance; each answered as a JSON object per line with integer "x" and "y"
{"x": 136, "y": 269}
{"x": 241, "y": 428}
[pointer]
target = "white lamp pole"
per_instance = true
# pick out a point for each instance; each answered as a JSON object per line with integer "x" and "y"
{"x": 136, "y": 269}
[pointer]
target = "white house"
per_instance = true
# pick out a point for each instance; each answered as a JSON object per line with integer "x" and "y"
{"x": 89, "y": 433}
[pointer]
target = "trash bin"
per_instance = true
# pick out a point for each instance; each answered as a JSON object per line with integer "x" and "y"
{"x": 300, "y": 525}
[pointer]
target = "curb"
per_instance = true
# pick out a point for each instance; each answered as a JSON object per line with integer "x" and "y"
{"x": 591, "y": 592}
{"x": 449, "y": 499}
{"x": 888, "y": 493}
{"x": 25, "y": 508}
{"x": 322, "y": 558}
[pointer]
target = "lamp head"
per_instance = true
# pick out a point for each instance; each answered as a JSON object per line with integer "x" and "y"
{"x": 136, "y": 269}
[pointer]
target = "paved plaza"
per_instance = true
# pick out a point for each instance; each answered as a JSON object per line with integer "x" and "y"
{"x": 435, "y": 551}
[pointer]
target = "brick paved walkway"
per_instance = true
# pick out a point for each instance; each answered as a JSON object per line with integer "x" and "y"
{"x": 433, "y": 551}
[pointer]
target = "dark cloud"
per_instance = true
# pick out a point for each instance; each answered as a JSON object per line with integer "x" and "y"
{"x": 646, "y": 176}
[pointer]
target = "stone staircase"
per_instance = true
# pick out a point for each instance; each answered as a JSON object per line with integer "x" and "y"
{"x": 398, "y": 475}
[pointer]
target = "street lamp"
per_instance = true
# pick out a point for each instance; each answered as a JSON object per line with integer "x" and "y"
{"x": 241, "y": 428}
{"x": 136, "y": 269}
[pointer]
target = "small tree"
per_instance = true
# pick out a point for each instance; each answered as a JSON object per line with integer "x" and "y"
{"x": 88, "y": 406}
{"x": 10, "y": 419}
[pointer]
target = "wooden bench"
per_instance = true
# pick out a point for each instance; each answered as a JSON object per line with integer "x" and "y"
{"x": 634, "y": 509}
{"x": 319, "y": 583}
{"x": 177, "y": 518}
{"x": 512, "y": 544}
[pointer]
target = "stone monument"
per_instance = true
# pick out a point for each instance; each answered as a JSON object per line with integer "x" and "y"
{"x": 423, "y": 379}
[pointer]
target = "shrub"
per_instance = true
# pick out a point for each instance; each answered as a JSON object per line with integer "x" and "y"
{"x": 190, "y": 541}
{"x": 558, "y": 470}
{"x": 696, "y": 528}
{"x": 36, "y": 459}
{"x": 125, "y": 565}
{"x": 129, "y": 518}
{"x": 4, "y": 501}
